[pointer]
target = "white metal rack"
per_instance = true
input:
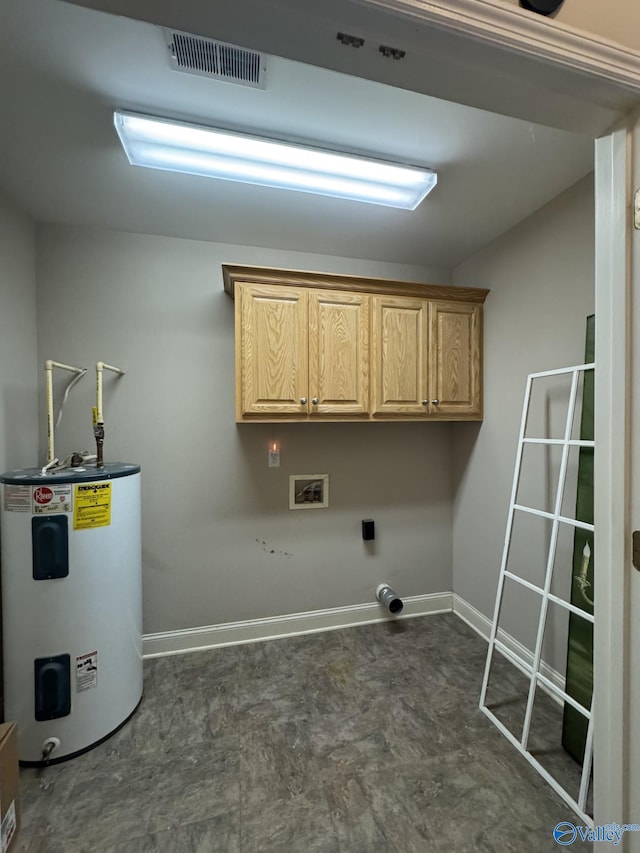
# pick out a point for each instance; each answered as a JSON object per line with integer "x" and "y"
{"x": 531, "y": 667}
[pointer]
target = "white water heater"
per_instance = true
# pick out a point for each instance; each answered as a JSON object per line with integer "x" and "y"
{"x": 71, "y": 605}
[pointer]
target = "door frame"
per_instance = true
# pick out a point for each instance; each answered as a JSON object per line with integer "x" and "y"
{"x": 611, "y": 471}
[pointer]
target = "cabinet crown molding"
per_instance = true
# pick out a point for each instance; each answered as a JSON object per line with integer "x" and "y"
{"x": 356, "y": 284}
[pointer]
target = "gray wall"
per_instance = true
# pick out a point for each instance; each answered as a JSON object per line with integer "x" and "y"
{"x": 541, "y": 276}
{"x": 219, "y": 542}
{"x": 18, "y": 367}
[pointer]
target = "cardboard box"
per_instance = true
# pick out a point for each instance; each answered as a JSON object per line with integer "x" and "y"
{"x": 9, "y": 806}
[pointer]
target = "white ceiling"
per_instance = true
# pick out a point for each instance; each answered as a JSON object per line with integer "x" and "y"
{"x": 64, "y": 68}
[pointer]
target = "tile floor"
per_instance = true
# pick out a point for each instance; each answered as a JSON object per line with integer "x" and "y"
{"x": 364, "y": 740}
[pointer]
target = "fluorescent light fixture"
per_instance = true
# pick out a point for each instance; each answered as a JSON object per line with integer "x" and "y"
{"x": 178, "y": 147}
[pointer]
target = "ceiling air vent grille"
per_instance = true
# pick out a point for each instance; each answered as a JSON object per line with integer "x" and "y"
{"x": 211, "y": 58}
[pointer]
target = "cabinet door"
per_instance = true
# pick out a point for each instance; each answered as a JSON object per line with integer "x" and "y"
{"x": 400, "y": 346}
{"x": 456, "y": 362}
{"x": 338, "y": 353}
{"x": 272, "y": 356}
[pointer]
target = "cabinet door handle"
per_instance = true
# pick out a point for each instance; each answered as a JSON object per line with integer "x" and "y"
{"x": 435, "y": 402}
{"x": 425, "y": 402}
{"x": 315, "y": 401}
{"x": 303, "y": 401}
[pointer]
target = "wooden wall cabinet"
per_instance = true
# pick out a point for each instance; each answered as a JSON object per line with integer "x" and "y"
{"x": 426, "y": 358}
{"x": 338, "y": 353}
{"x": 301, "y": 352}
{"x": 272, "y": 334}
{"x": 400, "y": 356}
{"x": 324, "y": 347}
{"x": 456, "y": 360}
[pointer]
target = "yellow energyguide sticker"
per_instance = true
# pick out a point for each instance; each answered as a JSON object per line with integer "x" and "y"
{"x": 92, "y": 506}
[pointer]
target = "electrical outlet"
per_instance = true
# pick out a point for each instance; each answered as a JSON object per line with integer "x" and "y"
{"x": 274, "y": 458}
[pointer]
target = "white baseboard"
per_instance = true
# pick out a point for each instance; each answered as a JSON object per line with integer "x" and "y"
{"x": 315, "y": 621}
{"x": 474, "y": 619}
{"x": 289, "y": 625}
{"x": 482, "y": 625}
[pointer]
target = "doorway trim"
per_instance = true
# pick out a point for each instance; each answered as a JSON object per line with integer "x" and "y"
{"x": 612, "y": 466}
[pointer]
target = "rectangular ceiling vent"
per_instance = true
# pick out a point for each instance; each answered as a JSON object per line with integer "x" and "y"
{"x": 210, "y": 58}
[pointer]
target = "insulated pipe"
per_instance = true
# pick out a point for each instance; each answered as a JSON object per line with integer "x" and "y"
{"x": 100, "y": 367}
{"x": 48, "y": 368}
{"x": 389, "y": 598}
{"x": 98, "y": 417}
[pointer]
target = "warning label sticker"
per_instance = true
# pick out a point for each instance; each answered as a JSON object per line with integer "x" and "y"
{"x": 17, "y": 498}
{"x": 86, "y": 671}
{"x": 50, "y": 499}
{"x": 92, "y": 506}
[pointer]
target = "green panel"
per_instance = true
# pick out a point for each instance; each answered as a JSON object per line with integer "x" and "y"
{"x": 580, "y": 645}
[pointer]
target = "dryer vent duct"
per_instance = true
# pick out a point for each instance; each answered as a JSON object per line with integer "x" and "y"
{"x": 210, "y": 58}
{"x": 389, "y": 598}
